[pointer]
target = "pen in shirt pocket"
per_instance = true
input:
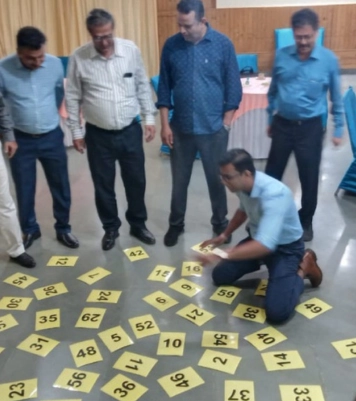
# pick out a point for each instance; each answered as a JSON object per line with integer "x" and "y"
{"x": 128, "y": 75}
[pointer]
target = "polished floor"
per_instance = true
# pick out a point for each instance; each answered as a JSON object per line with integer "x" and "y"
{"x": 334, "y": 243}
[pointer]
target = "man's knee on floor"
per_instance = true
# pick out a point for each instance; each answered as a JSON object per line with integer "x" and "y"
{"x": 277, "y": 315}
{"x": 219, "y": 277}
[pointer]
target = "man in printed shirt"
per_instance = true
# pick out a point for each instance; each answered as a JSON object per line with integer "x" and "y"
{"x": 32, "y": 85}
{"x": 275, "y": 237}
{"x": 199, "y": 79}
{"x": 302, "y": 76}
{"x": 107, "y": 80}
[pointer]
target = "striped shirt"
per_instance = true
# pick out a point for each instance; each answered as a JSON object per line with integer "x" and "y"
{"x": 110, "y": 92}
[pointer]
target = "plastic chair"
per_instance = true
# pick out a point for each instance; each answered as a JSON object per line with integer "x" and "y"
{"x": 64, "y": 61}
{"x": 284, "y": 37}
{"x": 248, "y": 63}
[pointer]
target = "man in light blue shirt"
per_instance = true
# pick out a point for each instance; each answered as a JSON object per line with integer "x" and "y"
{"x": 275, "y": 237}
{"x": 302, "y": 76}
{"x": 31, "y": 82}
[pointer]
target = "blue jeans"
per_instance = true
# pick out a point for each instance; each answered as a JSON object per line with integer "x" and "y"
{"x": 284, "y": 284}
{"x": 50, "y": 151}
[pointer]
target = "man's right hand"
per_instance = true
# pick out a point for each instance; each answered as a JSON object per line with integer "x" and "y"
{"x": 167, "y": 136}
{"x": 79, "y": 145}
{"x": 219, "y": 240}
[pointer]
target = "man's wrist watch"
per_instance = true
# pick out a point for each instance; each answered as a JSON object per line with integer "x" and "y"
{"x": 227, "y": 127}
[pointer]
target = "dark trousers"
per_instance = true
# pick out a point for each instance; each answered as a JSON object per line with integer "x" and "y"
{"x": 104, "y": 149}
{"x": 211, "y": 148}
{"x": 284, "y": 284}
{"x": 305, "y": 139}
{"x": 50, "y": 151}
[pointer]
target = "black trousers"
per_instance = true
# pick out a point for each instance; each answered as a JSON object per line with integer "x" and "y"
{"x": 305, "y": 139}
{"x": 104, "y": 148}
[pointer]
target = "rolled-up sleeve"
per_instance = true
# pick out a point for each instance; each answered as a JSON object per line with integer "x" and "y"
{"x": 165, "y": 83}
{"x": 6, "y": 123}
{"x": 233, "y": 87}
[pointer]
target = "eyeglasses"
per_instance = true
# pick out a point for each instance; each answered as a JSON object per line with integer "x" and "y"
{"x": 102, "y": 38}
{"x": 228, "y": 177}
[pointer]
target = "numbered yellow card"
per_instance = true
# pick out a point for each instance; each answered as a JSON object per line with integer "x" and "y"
{"x": 249, "y": 312}
{"x": 7, "y": 322}
{"x": 192, "y": 269}
{"x": 266, "y": 338}
{"x": 204, "y": 251}
{"x": 236, "y": 390}
{"x": 85, "y": 353}
{"x": 91, "y": 318}
{"x": 15, "y": 303}
{"x": 346, "y": 348}
{"x": 313, "y": 308}
{"x": 76, "y": 380}
{"x": 136, "y": 253}
{"x": 144, "y": 326}
{"x": 301, "y": 392}
{"x": 115, "y": 338}
{"x": 220, "y": 361}
{"x": 2, "y": 349}
{"x": 62, "y": 261}
{"x": 20, "y": 390}
{"x": 161, "y": 273}
{"x": 122, "y": 388}
{"x": 50, "y": 291}
{"x": 283, "y": 360}
{"x": 104, "y": 296}
{"x": 94, "y": 275}
{"x": 186, "y": 287}
{"x": 262, "y": 288}
{"x": 181, "y": 381}
{"x": 135, "y": 363}
{"x": 171, "y": 344}
{"x": 38, "y": 345}
{"x": 48, "y": 319}
{"x": 220, "y": 339}
{"x": 21, "y": 280}
{"x": 67, "y": 399}
{"x": 195, "y": 314}
{"x": 225, "y": 294}
{"x": 160, "y": 300}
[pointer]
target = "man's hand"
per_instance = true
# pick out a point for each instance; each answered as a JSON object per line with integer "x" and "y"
{"x": 10, "y": 148}
{"x": 208, "y": 259}
{"x": 269, "y": 131}
{"x": 167, "y": 136}
{"x": 79, "y": 145}
{"x": 337, "y": 141}
{"x": 214, "y": 241}
{"x": 150, "y": 132}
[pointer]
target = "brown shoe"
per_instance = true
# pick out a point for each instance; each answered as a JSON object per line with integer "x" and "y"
{"x": 311, "y": 269}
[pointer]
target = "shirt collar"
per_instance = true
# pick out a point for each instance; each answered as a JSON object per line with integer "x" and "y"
{"x": 316, "y": 52}
{"x": 20, "y": 66}
{"x": 118, "y": 50}
{"x": 257, "y": 185}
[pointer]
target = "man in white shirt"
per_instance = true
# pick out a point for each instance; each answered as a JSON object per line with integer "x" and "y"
{"x": 107, "y": 81}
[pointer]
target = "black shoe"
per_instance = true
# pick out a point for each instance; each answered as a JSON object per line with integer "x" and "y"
{"x": 68, "y": 240}
{"x": 171, "y": 237}
{"x": 108, "y": 240}
{"x": 29, "y": 238}
{"x": 219, "y": 231}
{"x": 308, "y": 233}
{"x": 143, "y": 235}
{"x": 24, "y": 260}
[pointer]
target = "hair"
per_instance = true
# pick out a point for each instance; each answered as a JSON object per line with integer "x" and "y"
{"x": 240, "y": 159}
{"x": 187, "y": 6}
{"x": 30, "y": 37}
{"x": 303, "y": 17}
{"x": 99, "y": 17}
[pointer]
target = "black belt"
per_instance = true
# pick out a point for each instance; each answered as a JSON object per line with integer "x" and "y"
{"x": 298, "y": 122}
{"x": 114, "y": 131}
{"x": 27, "y": 135}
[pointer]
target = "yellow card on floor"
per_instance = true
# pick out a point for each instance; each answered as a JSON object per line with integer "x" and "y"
{"x": 265, "y": 338}
{"x": 225, "y": 294}
{"x": 204, "y": 251}
{"x": 85, "y": 353}
{"x": 122, "y": 388}
{"x": 13, "y": 303}
{"x": 192, "y": 269}
{"x": 161, "y": 273}
{"x": 346, "y": 348}
{"x": 160, "y": 300}
{"x": 220, "y": 339}
{"x": 94, "y": 275}
{"x": 7, "y": 322}
{"x": 76, "y": 380}
{"x": 38, "y": 345}
{"x": 301, "y": 392}
{"x": 249, "y": 312}
{"x": 144, "y": 326}
{"x": 171, "y": 344}
{"x": 283, "y": 360}
{"x": 64, "y": 261}
{"x": 135, "y": 363}
{"x": 181, "y": 381}
{"x": 105, "y": 296}
{"x": 50, "y": 291}
{"x": 1, "y": 349}
{"x": 220, "y": 361}
{"x": 48, "y": 319}
{"x": 91, "y": 318}
{"x": 136, "y": 253}
{"x": 115, "y": 338}
{"x": 262, "y": 288}
{"x": 195, "y": 314}
{"x": 186, "y": 287}
{"x": 21, "y": 280}
{"x": 19, "y": 390}
{"x": 313, "y": 308}
{"x": 237, "y": 390}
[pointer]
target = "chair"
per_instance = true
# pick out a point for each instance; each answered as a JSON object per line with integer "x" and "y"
{"x": 248, "y": 63}
{"x": 348, "y": 183}
{"x": 284, "y": 37}
{"x": 64, "y": 61}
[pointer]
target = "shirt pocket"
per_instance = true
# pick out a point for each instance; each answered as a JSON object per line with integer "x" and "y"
{"x": 129, "y": 85}
{"x": 314, "y": 88}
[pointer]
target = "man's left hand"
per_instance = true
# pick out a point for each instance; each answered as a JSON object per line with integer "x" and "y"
{"x": 337, "y": 141}
{"x": 10, "y": 148}
{"x": 150, "y": 132}
{"x": 208, "y": 259}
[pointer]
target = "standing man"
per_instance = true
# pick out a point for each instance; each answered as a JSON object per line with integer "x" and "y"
{"x": 199, "y": 75}
{"x": 32, "y": 84}
{"x": 275, "y": 237}
{"x": 302, "y": 76}
{"x": 107, "y": 80}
